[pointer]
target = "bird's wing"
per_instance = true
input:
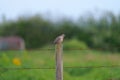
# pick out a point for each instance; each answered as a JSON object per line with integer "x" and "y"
{"x": 56, "y": 40}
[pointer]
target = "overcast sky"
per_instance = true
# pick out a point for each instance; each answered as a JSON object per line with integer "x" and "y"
{"x": 70, "y": 8}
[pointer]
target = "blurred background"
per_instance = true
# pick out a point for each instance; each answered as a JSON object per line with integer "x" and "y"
{"x": 95, "y": 23}
{"x": 87, "y": 24}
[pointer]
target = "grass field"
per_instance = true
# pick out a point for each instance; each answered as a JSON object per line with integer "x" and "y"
{"x": 46, "y": 59}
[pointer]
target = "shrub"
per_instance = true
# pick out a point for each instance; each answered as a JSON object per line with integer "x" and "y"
{"x": 75, "y": 44}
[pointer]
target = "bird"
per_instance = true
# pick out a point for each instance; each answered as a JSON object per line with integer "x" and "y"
{"x": 59, "y": 39}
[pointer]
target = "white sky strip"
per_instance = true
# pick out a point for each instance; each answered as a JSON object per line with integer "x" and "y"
{"x": 73, "y": 8}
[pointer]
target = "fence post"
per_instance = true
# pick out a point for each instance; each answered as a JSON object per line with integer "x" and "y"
{"x": 59, "y": 61}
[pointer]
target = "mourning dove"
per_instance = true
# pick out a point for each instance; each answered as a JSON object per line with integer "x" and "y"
{"x": 59, "y": 39}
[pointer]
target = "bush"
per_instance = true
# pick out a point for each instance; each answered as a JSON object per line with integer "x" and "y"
{"x": 75, "y": 44}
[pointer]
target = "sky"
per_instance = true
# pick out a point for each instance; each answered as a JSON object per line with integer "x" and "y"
{"x": 12, "y": 9}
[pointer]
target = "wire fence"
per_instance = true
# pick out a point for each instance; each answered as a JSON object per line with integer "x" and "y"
{"x": 53, "y": 68}
{"x": 102, "y": 66}
{"x": 65, "y": 49}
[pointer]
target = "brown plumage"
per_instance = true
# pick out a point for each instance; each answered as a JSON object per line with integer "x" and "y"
{"x": 59, "y": 39}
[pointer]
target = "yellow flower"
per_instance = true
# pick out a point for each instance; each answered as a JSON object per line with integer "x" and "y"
{"x": 17, "y": 61}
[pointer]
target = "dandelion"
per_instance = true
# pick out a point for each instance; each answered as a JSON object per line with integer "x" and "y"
{"x": 17, "y": 61}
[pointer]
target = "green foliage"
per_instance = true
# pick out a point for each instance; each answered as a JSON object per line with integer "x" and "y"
{"x": 46, "y": 59}
{"x": 38, "y": 31}
{"x": 74, "y": 43}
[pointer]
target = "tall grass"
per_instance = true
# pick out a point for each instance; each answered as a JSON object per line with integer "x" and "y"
{"x": 46, "y": 59}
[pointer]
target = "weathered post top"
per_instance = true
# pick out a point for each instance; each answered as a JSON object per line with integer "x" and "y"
{"x": 59, "y": 62}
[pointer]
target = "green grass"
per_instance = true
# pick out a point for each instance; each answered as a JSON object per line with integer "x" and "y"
{"x": 46, "y": 59}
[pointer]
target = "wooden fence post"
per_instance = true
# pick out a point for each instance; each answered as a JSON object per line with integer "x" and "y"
{"x": 59, "y": 61}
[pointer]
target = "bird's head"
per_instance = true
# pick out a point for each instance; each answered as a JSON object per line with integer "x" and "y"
{"x": 63, "y": 35}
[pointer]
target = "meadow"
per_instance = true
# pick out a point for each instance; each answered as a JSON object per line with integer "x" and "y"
{"x": 14, "y": 65}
